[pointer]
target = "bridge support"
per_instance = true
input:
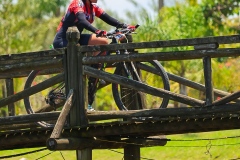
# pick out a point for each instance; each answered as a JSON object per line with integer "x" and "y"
{"x": 208, "y": 80}
{"x": 76, "y": 80}
{"x": 10, "y": 91}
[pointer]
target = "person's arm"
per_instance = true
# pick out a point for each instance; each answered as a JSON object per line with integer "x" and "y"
{"x": 83, "y": 23}
{"x": 111, "y": 21}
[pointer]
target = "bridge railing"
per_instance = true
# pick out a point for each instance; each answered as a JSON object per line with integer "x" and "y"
{"x": 19, "y": 65}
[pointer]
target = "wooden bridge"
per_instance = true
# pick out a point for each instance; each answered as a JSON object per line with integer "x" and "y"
{"x": 127, "y": 129}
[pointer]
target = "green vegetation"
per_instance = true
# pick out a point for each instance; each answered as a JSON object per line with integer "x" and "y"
{"x": 33, "y": 28}
{"x": 222, "y": 145}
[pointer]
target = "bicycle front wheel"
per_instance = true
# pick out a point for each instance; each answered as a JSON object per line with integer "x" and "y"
{"x": 150, "y": 73}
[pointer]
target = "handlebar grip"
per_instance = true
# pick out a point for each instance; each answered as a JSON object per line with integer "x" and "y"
{"x": 137, "y": 26}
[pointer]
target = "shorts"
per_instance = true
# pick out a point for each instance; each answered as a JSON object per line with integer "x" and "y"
{"x": 60, "y": 42}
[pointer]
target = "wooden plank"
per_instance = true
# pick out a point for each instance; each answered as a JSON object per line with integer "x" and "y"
{"x": 47, "y": 53}
{"x": 76, "y": 81}
{"x": 18, "y": 126}
{"x": 39, "y": 65}
{"x": 207, "y": 67}
{"x": 103, "y": 115}
{"x": 164, "y": 43}
{"x": 167, "y": 127}
{"x": 142, "y": 45}
{"x": 226, "y": 99}
{"x": 63, "y": 116}
{"x": 10, "y": 91}
{"x": 32, "y": 90}
{"x": 164, "y": 56}
{"x": 164, "y": 112}
{"x": 132, "y": 152}
{"x": 56, "y": 144}
{"x": 179, "y": 126}
{"x": 186, "y": 82}
{"x": 141, "y": 87}
{"x": 30, "y": 118}
{"x": 206, "y": 46}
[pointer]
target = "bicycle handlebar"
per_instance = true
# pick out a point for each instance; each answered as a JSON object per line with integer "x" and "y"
{"x": 120, "y": 31}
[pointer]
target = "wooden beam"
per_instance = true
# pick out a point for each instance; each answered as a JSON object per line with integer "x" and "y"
{"x": 164, "y": 56}
{"x": 48, "y": 53}
{"x": 10, "y": 91}
{"x": 207, "y": 67}
{"x": 164, "y": 112}
{"x": 164, "y": 43}
{"x": 32, "y": 90}
{"x": 103, "y": 115}
{"x": 63, "y": 116}
{"x": 30, "y": 118}
{"x": 76, "y": 80}
{"x": 28, "y": 139}
{"x": 32, "y": 65}
{"x": 186, "y": 82}
{"x": 56, "y": 144}
{"x": 142, "y": 87}
{"x": 226, "y": 99}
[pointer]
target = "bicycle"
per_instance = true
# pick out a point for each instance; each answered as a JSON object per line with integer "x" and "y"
{"x": 124, "y": 97}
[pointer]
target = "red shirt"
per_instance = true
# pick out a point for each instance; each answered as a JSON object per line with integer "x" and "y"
{"x": 69, "y": 19}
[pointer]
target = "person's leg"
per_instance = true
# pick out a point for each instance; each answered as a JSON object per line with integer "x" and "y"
{"x": 93, "y": 40}
{"x": 87, "y": 39}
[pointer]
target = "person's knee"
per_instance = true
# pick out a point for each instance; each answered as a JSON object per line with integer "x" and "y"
{"x": 97, "y": 40}
{"x": 104, "y": 41}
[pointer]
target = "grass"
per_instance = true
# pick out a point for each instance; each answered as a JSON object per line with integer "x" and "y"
{"x": 221, "y": 145}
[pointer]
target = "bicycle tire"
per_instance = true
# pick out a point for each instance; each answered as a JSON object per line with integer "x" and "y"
{"x": 32, "y": 77}
{"x": 158, "y": 72}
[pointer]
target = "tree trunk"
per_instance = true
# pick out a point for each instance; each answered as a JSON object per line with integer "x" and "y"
{"x": 160, "y": 4}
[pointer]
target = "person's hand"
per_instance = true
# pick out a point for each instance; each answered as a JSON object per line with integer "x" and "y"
{"x": 132, "y": 28}
{"x": 101, "y": 33}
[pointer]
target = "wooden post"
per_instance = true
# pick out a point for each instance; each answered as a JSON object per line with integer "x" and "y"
{"x": 77, "y": 81}
{"x": 10, "y": 91}
{"x": 208, "y": 80}
{"x": 132, "y": 152}
{"x": 62, "y": 117}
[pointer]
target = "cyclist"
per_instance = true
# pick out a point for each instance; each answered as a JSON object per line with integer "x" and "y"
{"x": 81, "y": 13}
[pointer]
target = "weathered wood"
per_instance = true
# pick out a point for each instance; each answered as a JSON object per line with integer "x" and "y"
{"x": 164, "y": 112}
{"x": 27, "y": 92}
{"x": 132, "y": 152}
{"x": 39, "y": 65}
{"x": 48, "y": 108}
{"x": 208, "y": 80}
{"x": 141, "y": 87}
{"x": 186, "y": 82}
{"x": 206, "y": 46}
{"x": 48, "y": 53}
{"x": 30, "y": 118}
{"x": 164, "y": 56}
{"x": 62, "y": 117}
{"x": 103, "y": 115}
{"x": 179, "y": 126}
{"x": 226, "y": 99}
{"x": 14, "y": 75}
{"x": 162, "y": 44}
{"x": 55, "y": 144}
{"x": 28, "y": 60}
{"x": 24, "y": 140}
{"x": 18, "y": 126}
{"x": 26, "y": 73}
{"x": 10, "y": 91}
{"x": 76, "y": 81}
